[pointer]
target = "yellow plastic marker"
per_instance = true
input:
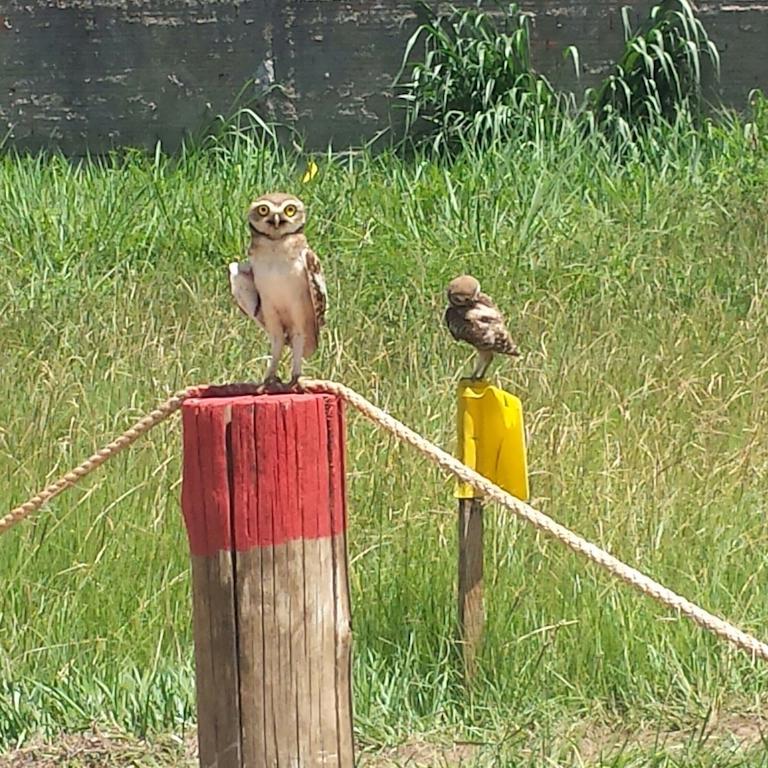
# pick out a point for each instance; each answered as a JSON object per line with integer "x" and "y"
{"x": 492, "y": 438}
{"x": 310, "y": 173}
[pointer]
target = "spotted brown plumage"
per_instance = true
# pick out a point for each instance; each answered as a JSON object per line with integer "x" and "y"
{"x": 317, "y": 290}
{"x": 473, "y": 317}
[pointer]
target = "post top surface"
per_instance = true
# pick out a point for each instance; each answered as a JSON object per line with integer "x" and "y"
{"x": 283, "y": 398}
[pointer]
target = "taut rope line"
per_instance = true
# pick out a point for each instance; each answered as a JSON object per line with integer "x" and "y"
{"x": 445, "y": 461}
{"x": 152, "y": 419}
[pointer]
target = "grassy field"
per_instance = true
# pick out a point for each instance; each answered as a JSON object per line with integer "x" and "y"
{"x": 638, "y": 291}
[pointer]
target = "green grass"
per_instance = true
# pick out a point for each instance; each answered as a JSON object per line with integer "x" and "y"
{"x": 639, "y": 295}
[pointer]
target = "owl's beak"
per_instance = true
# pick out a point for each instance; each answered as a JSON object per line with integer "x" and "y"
{"x": 276, "y": 219}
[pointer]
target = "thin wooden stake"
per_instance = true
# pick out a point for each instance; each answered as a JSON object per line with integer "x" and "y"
{"x": 264, "y": 504}
{"x": 471, "y": 611}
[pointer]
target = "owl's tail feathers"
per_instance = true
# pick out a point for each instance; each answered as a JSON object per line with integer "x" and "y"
{"x": 506, "y": 346}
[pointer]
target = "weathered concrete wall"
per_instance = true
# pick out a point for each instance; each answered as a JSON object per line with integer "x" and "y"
{"x": 93, "y": 74}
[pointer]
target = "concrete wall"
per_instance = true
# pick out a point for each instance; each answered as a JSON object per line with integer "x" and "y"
{"x": 93, "y": 74}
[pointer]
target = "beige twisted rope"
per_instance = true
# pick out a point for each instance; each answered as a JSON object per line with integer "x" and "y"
{"x": 445, "y": 461}
{"x": 143, "y": 425}
{"x": 542, "y": 522}
{"x": 152, "y": 419}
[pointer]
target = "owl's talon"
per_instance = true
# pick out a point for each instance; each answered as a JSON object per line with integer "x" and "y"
{"x": 272, "y": 385}
{"x": 294, "y": 385}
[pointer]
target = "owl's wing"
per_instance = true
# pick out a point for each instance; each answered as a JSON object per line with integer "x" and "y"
{"x": 244, "y": 291}
{"x": 317, "y": 289}
{"x": 483, "y": 327}
{"x": 456, "y": 323}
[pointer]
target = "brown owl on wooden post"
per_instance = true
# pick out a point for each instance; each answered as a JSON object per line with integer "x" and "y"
{"x": 472, "y": 317}
{"x": 281, "y": 286}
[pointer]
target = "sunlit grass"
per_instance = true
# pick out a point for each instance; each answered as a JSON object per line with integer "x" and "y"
{"x": 639, "y": 295}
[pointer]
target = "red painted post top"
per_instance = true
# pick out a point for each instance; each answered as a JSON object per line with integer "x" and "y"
{"x": 262, "y": 470}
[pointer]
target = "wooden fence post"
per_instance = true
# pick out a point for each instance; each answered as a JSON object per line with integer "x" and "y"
{"x": 471, "y": 611}
{"x": 263, "y": 498}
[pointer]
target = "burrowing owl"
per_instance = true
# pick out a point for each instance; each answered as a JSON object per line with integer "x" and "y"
{"x": 472, "y": 316}
{"x": 281, "y": 285}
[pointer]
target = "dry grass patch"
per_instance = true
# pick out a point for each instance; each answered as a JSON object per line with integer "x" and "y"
{"x": 99, "y": 749}
{"x": 727, "y": 740}
{"x": 595, "y": 744}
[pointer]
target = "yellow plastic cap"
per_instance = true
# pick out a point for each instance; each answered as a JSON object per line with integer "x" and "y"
{"x": 492, "y": 438}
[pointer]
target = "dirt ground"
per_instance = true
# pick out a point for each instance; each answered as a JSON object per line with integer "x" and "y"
{"x": 584, "y": 744}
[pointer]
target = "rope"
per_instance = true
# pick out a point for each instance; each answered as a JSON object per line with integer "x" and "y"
{"x": 546, "y": 524}
{"x": 143, "y": 425}
{"x": 152, "y": 419}
{"x": 445, "y": 461}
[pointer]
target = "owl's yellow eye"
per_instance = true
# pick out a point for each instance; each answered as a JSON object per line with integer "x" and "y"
{"x": 289, "y": 210}
{"x": 262, "y": 210}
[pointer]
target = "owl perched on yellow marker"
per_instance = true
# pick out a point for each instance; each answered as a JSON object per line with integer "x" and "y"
{"x": 471, "y": 316}
{"x": 281, "y": 285}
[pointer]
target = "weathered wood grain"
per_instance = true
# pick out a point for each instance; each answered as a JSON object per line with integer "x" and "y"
{"x": 206, "y": 508}
{"x": 93, "y": 74}
{"x": 270, "y": 590}
{"x": 470, "y": 582}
